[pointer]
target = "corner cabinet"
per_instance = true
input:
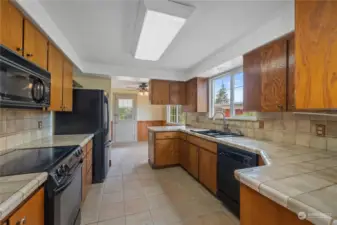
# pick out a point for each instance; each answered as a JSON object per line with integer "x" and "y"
{"x": 268, "y": 77}
{"x": 316, "y": 54}
{"x": 61, "y": 80}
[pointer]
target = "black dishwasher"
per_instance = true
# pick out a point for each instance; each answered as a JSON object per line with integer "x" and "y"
{"x": 229, "y": 160}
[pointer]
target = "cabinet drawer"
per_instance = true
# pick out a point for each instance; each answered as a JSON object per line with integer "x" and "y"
{"x": 89, "y": 160}
{"x": 167, "y": 135}
{"x": 32, "y": 212}
{"x": 211, "y": 146}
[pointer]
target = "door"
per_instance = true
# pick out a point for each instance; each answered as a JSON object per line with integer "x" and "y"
{"x": 55, "y": 67}
{"x": 193, "y": 159}
{"x": 125, "y": 118}
{"x": 36, "y": 45}
{"x": 252, "y": 81}
{"x": 208, "y": 169}
{"x": 11, "y": 29}
{"x": 273, "y": 76}
{"x": 67, "y": 86}
{"x": 167, "y": 152}
{"x": 177, "y": 93}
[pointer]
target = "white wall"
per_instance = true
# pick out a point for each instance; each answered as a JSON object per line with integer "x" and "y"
{"x": 145, "y": 111}
{"x": 284, "y": 23}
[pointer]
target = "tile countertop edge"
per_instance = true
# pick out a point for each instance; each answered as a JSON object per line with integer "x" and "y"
{"x": 7, "y": 207}
{"x": 247, "y": 180}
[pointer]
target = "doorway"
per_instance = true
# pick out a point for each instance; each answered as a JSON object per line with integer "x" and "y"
{"x": 125, "y": 114}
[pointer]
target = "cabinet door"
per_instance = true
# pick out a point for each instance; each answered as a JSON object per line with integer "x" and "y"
{"x": 177, "y": 93}
{"x": 160, "y": 90}
{"x": 252, "y": 81}
{"x": 84, "y": 180}
{"x": 11, "y": 29}
{"x": 191, "y": 96}
{"x": 208, "y": 169}
{"x": 184, "y": 155}
{"x": 55, "y": 67}
{"x": 151, "y": 147}
{"x": 67, "y": 85}
{"x": 193, "y": 153}
{"x": 291, "y": 74}
{"x": 167, "y": 152}
{"x": 316, "y": 54}
{"x": 36, "y": 45}
{"x": 273, "y": 76}
{"x": 31, "y": 212}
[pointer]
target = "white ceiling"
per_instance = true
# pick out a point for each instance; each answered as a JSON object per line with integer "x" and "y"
{"x": 100, "y": 31}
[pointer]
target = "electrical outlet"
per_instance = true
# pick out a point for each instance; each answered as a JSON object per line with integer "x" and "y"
{"x": 320, "y": 130}
{"x": 39, "y": 124}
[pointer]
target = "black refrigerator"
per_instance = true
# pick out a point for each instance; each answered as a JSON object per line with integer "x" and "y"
{"x": 90, "y": 115}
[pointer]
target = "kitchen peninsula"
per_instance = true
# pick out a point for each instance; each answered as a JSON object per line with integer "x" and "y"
{"x": 294, "y": 180}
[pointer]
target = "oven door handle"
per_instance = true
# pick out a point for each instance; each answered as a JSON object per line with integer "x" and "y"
{"x": 64, "y": 186}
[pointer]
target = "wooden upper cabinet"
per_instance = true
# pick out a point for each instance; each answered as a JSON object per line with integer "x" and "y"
{"x": 11, "y": 29}
{"x": 177, "y": 93}
{"x": 252, "y": 81}
{"x": 55, "y": 67}
{"x": 159, "y": 92}
{"x": 196, "y": 95}
{"x": 31, "y": 212}
{"x": 35, "y": 45}
{"x": 273, "y": 76}
{"x": 67, "y": 85}
{"x": 291, "y": 73}
{"x": 316, "y": 54}
{"x": 208, "y": 169}
{"x": 268, "y": 77}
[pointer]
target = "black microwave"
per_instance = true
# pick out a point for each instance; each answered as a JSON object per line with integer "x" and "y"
{"x": 22, "y": 83}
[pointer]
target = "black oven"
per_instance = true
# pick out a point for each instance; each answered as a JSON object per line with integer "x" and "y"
{"x": 22, "y": 83}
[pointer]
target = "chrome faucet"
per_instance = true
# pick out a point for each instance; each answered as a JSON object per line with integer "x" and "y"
{"x": 225, "y": 124}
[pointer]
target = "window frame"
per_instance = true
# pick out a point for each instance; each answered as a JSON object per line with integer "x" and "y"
{"x": 232, "y": 74}
{"x": 168, "y": 115}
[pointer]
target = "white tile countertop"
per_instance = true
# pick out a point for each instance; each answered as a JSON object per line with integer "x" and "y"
{"x": 299, "y": 178}
{"x": 15, "y": 189}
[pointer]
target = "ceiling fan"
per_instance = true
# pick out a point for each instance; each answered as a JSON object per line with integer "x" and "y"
{"x": 141, "y": 88}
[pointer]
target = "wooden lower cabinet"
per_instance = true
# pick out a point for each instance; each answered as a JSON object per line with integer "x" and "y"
{"x": 208, "y": 169}
{"x": 167, "y": 152}
{"x": 193, "y": 160}
{"x": 255, "y": 209}
{"x": 31, "y": 212}
{"x": 184, "y": 154}
{"x": 86, "y": 169}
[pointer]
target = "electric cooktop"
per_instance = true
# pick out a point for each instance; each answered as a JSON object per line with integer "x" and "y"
{"x": 35, "y": 160}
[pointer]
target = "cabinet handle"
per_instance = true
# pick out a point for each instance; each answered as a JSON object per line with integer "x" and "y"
{"x": 29, "y": 55}
{"x": 19, "y": 49}
{"x": 22, "y": 221}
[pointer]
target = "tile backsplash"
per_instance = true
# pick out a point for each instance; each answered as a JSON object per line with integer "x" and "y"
{"x": 284, "y": 127}
{"x": 20, "y": 126}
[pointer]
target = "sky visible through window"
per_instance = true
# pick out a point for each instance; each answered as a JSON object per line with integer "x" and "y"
{"x": 238, "y": 86}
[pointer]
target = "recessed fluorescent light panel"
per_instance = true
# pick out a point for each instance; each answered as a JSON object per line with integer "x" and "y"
{"x": 158, "y": 31}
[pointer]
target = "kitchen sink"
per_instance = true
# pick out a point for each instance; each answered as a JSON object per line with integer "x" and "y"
{"x": 217, "y": 134}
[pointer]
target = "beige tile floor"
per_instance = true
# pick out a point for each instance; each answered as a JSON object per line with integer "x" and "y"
{"x": 134, "y": 194}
